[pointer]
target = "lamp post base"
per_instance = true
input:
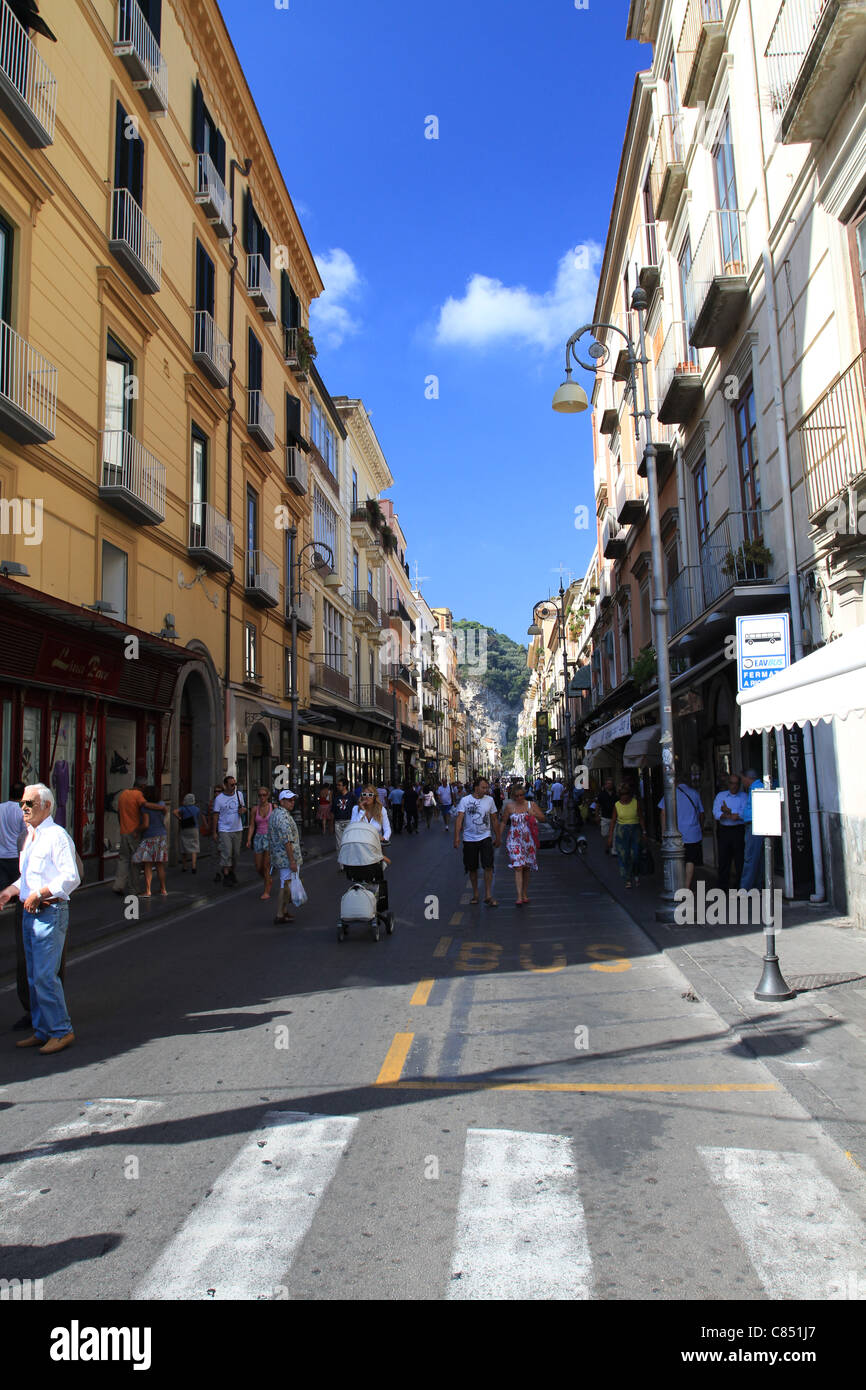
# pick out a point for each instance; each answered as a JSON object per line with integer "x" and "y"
{"x": 773, "y": 986}
{"x": 673, "y": 876}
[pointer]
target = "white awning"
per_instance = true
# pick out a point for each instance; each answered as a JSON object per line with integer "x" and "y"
{"x": 643, "y": 747}
{"x": 828, "y": 684}
{"x": 617, "y": 728}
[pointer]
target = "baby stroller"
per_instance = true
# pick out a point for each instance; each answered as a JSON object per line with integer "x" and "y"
{"x": 360, "y": 858}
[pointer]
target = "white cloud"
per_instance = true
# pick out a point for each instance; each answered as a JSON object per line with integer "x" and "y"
{"x": 490, "y": 311}
{"x": 330, "y": 320}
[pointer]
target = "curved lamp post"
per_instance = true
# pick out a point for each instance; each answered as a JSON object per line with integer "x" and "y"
{"x": 321, "y": 557}
{"x": 547, "y": 608}
{"x": 570, "y": 398}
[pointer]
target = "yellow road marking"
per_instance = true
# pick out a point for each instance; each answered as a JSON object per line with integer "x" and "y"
{"x": 395, "y": 1059}
{"x": 478, "y": 955}
{"x": 422, "y": 992}
{"x": 559, "y": 959}
{"x": 456, "y": 919}
{"x": 612, "y": 956}
{"x": 591, "y": 1086}
{"x": 442, "y": 947}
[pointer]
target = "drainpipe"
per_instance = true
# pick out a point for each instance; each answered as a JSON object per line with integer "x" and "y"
{"x": 819, "y": 895}
{"x": 228, "y": 722}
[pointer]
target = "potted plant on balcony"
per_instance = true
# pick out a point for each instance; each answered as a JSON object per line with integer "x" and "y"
{"x": 375, "y": 515}
{"x": 306, "y": 350}
{"x": 389, "y": 539}
{"x": 643, "y": 668}
{"x": 751, "y": 560}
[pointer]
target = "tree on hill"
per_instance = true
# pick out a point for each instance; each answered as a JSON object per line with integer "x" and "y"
{"x": 507, "y": 673}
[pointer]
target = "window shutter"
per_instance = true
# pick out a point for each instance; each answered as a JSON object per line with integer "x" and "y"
{"x": 293, "y": 418}
{"x": 296, "y": 311}
{"x": 220, "y": 156}
{"x": 119, "y": 148}
{"x": 152, "y": 11}
{"x": 285, "y": 300}
{"x": 265, "y": 248}
{"x": 198, "y": 119}
{"x": 252, "y": 362}
{"x": 248, "y": 221}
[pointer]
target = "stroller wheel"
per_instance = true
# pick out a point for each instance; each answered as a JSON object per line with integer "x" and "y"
{"x": 341, "y": 932}
{"x": 376, "y": 930}
{"x": 389, "y": 923}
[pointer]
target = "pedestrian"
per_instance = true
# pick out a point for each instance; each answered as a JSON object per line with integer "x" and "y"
{"x": 496, "y": 793}
{"x": 48, "y": 874}
{"x": 518, "y": 815}
{"x": 227, "y": 825}
{"x": 690, "y": 822}
{"x": 410, "y": 809}
{"x": 605, "y": 801}
{"x": 344, "y": 803}
{"x": 127, "y": 876}
{"x": 753, "y": 847}
{"x": 557, "y": 790}
{"x": 730, "y": 832}
{"x": 428, "y": 802}
{"x": 371, "y": 812}
{"x": 443, "y": 796}
{"x": 284, "y": 849}
{"x": 478, "y": 819}
{"x": 13, "y": 833}
{"x": 381, "y": 792}
{"x": 325, "y": 812}
{"x": 395, "y": 806}
{"x": 258, "y": 838}
{"x": 627, "y": 829}
{"x": 153, "y": 845}
{"x": 188, "y": 817}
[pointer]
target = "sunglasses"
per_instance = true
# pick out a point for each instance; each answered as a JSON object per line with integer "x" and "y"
{"x": 27, "y": 805}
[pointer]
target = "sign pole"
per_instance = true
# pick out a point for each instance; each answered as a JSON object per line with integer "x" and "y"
{"x": 772, "y": 985}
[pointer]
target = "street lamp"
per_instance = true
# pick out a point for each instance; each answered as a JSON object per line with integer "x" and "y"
{"x": 321, "y": 557}
{"x": 567, "y": 400}
{"x": 547, "y": 608}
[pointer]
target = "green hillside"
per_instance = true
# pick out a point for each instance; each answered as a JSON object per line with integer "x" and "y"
{"x": 507, "y": 673}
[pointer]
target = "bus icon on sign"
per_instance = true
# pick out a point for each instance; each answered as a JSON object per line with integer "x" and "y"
{"x": 771, "y": 637}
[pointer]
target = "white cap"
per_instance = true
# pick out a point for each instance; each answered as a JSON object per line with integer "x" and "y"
{"x": 288, "y": 796}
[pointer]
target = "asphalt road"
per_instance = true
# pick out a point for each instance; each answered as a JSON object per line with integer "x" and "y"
{"x": 491, "y": 1103}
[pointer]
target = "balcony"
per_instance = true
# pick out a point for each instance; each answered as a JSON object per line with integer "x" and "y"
{"x": 366, "y": 608}
{"x": 28, "y": 88}
{"x": 833, "y": 439}
{"x": 297, "y": 469}
{"x": 668, "y": 172}
{"x": 725, "y": 555}
{"x": 630, "y": 499}
{"x": 398, "y": 672}
{"x": 409, "y": 734}
{"x": 685, "y": 599}
{"x": 718, "y": 282}
{"x": 133, "y": 479}
{"x": 261, "y": 288}
{"x": 303, "y": 611}
{"x": 134, "y": 242}
{"x": 815, "y": 53}
{"x": 375, "y": 697}
{"x": 211, "y": 536}
{"x": 262, "y": 579}
{"x": 28, "y": 390}
{"x": 260, "y": 420}
{"x": 363, "y": 528}
{"x": 211, "y": 195}
{"x": 613, "y": 541}
{"x": 663, "y": 438}
{"x": 330, "y": 678}
{"x": 210, "y": 349}
{"x": 609, "y": 420}
{"x": 700, "y": 49}
{"x": 678, "y": 377}
{"x": 649, "y": 259}
{"x": 139, "y": 52}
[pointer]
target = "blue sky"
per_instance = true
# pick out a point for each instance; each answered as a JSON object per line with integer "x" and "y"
{"x": 469, "y": 258}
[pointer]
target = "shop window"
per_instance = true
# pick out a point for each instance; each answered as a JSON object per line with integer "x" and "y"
{"x": 88, "y": 845}
{"x": 31, "y": 744}
{"x": 114, "y": 579}
{"x": 120, "y": 739}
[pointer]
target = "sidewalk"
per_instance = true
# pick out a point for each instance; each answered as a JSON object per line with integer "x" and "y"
{"x": 97, "y": 912}
{"x": 815, "y": 1043}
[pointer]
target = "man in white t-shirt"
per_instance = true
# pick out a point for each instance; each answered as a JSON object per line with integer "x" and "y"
{"x": 228, "y": 827}
{"x": 443, "y": 793}
{"x": 477, "y": 818}
{"x": 556, "y": 791}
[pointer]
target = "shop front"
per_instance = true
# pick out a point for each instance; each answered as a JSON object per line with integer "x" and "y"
{"x": 86, "y": 708}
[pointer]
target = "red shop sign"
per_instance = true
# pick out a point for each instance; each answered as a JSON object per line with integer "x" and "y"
{"x": 65, "y": 664}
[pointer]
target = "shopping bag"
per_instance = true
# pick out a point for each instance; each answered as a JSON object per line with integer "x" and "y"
{"x": 299, "y": 895}
{"x": 533, "y": 830}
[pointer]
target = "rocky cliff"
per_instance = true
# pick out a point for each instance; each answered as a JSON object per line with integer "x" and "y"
{"x": 493, "y": 680}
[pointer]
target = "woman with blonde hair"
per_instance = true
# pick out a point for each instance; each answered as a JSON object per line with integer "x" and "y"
{"x": 370, "y": 810}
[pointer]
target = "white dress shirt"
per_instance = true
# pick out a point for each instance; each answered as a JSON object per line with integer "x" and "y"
{"x": 358, "y": 814}
{"x": 47, "y": 861}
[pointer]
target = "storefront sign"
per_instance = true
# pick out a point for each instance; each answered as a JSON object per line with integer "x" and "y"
{"x": 65, "y": 664}
{"x": 797, "y": 808}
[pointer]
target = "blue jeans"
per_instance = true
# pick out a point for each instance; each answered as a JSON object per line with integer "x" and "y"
{"x": 44, "y": 935}
{"x": 753, "y": 859}
{"x": 626, "y": 840}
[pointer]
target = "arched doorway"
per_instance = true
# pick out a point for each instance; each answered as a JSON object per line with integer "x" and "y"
{"x": 195, "y": 740}
{"x": 259, "y": 763}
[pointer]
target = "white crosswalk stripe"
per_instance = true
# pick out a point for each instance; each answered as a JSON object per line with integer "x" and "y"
{"x": 801, "y": 1237}
{"x": 521, "y": 1231}
{"x": 240, "y": 1240}
{"x": 46, "y": 1161}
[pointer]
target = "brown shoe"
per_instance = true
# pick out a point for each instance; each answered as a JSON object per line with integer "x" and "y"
{"x": 58, "y": 1044}
{"x": 32, "y": 1041}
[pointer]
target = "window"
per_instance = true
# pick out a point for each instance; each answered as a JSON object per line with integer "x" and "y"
{"x": 646, "y": 616}
{"x": 287, "y": 670}
{"x": 357, "y": 665}
{"x": 254, "y": 362}
{"x": 369, "y": 581}
{"x": 256, "y": 239}
{"x": 354, "y": 489}
{"x": 324, "y": 522}
{"x": 747, "y": 454}
{"x": 251, "y": 646}
{"x": 323, "y": 436}
{"x": 333, "y": 635}
{"x": 198, "y": 487}
{"x": 206, "y": 138}
{"x": 119, "y": 392}
{"x": 204, "y": 280}
{"x": 650, "y": 219}
{"x": 290, "y": 564}
{"x": 294, "y": 433}
{"x": 6, "y": 244}
{"x": 672, "y": 562}
{"x": 356, "y": 581}
{"x": 726, "y": 196}
{"x": 702, "y": 514}
{"x": 252, "y": 534}
{"x": 128, "y": 161}
{"x": 152, "y": 13}
{"x": 685, "y": 264}
{"x": 290, "y": 304}
{"x": 857, "y": 246}
{"x": 114, "y": 576}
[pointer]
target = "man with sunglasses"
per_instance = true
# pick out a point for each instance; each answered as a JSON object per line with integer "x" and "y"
{"x": 48, "y": 874}
{"x": 228, "y": 828}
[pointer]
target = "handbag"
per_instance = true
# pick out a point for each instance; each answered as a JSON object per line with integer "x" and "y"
{"x": 299, "y": 893}
{"x": 533, "y": 830}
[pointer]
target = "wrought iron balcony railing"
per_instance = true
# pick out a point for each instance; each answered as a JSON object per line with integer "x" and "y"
{"x": 211, "y": 348}
{"x": 833, "y": 438}
{"x": 212, "y": 195}
{"x": 28, "y": 88}
{"x": 28, "y": 389}
{"x": 134, "y": 242}
{"x": 136, "y": 46}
